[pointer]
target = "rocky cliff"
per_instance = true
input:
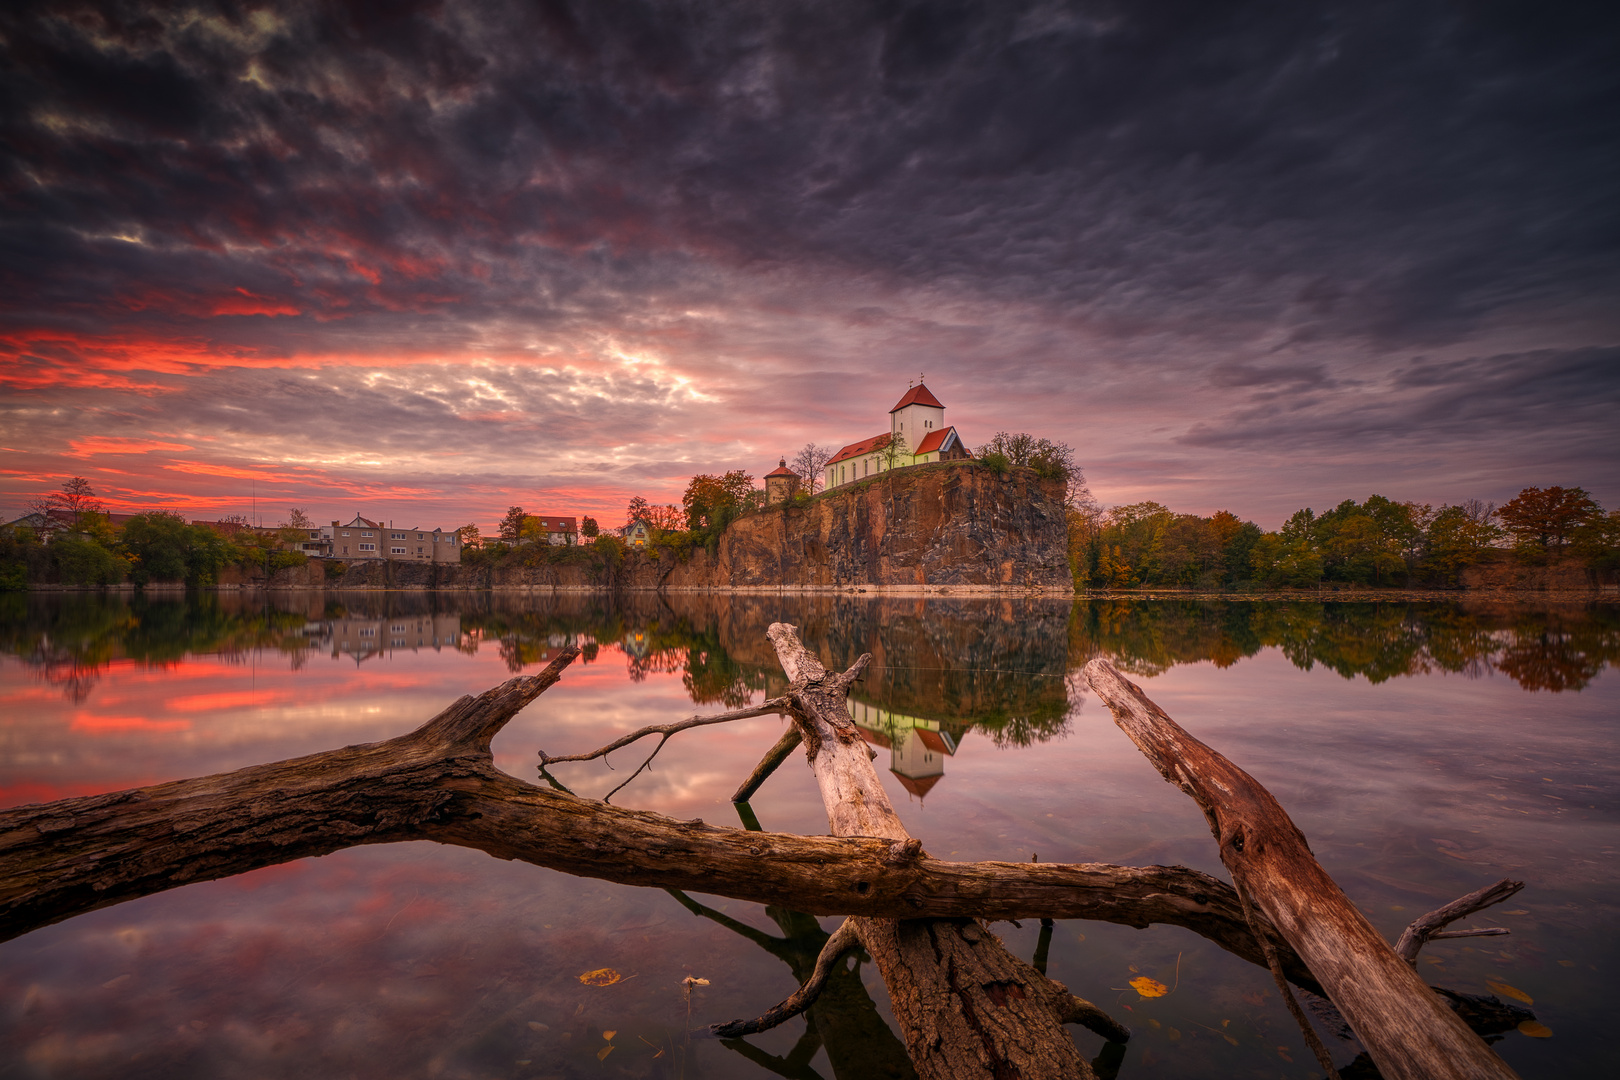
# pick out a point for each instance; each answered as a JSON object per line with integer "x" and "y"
{"x": 952, "y": 526}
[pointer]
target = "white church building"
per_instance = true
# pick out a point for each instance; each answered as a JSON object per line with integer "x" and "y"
{"x": 917, "y": 432}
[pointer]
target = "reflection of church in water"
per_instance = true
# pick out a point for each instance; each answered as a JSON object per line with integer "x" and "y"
{"x": 917, "y": 746}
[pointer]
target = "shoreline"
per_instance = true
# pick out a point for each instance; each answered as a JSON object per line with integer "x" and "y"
{"x": 1327, "y": 595}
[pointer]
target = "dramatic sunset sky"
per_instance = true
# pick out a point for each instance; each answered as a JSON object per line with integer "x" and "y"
{"x": 425, "y": 261}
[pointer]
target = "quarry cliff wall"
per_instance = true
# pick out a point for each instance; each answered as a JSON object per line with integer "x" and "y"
{"x": 950, "y": 526}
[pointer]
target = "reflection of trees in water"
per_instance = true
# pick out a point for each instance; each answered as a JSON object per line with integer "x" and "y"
{"x": 1548, "y": 649}
{"x": 996, "y": 666}
{"x": 72, "y": 639}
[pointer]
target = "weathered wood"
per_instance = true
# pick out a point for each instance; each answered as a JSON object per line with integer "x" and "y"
{"x": 966, "y": 1006}
{"x": 1432, "y": 927}
{"x": 1405, "y": 1027}
{"x": 768, "y": 764}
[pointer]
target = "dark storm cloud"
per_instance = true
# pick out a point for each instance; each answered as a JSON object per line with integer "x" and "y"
{"x": 1508, "y": 398}
{"x": 1186, "y": 222}
{"x": 1386, "y": 170}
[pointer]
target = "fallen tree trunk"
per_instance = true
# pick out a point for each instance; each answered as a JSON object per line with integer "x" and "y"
{"x": 965, "y": 1005}
{"x": 439, "y": 783}
{"x": 1409, "y": 1033}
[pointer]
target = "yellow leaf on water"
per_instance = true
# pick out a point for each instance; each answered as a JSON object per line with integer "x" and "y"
{"x": 1134, "y": 969}
{"x": 1535, "y": 1030}
{"x": 609, "y": 1034}
{"x": 1566, "y": 963}
{"x": 1079, "y": 937}
{"x": 601, "y": 1055}
{"x": 1229, "y": 1039}
{"x": 1282, "y": 1052}
{"x": 1173, "y": 1034}
{"x": 1149, "y": 988}
{"x": 1497, "y": 986}
{"x": 600, "y": 977}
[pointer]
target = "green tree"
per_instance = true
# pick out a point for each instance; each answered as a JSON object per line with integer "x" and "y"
{"x": 159, "y": 545}
{"x": 588, "y": 528}
{"x": 894, "y": 453}
{"x": 712, "y": 501}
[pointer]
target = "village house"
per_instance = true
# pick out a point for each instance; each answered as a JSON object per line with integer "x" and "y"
{"x": 557, "y": 531}
{"x": 363, "y": 538}
{"x": 917, "y": 434}
{"x": 637, "y": 534}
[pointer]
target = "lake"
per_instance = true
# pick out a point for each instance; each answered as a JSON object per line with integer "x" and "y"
{"x": 1425, "y": 749}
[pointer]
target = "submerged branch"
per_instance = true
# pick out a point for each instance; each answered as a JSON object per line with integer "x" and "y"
{"x": 842, "y": 941}
{"x": 1430, "y": 927}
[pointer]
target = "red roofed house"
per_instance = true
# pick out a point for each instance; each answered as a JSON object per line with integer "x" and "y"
{"x": 917, "y": 423}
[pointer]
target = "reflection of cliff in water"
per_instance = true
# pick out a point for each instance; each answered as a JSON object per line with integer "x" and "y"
{"x": 1555, "y": 649}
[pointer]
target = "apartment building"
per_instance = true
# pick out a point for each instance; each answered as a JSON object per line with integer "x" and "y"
{"x": 363, "y": 538}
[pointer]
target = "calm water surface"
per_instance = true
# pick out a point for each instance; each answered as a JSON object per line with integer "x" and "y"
{"x": 1425, "y": 750}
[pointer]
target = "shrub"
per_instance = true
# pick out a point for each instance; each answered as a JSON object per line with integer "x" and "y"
{"x": 997, "y": 463}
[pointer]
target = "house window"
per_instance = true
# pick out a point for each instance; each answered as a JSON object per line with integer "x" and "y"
{"x": 420, "y": 549}
{"x": 365, "y": 534}
{"x": 396, "y": 551}
{"x": 367, "y": 547}
{"x": 419, "y": 536}
{"x": 368, "y": 631}
{"x": 345, "y": 534}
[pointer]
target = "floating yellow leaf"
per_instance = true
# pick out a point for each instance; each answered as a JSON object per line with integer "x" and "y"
{"x": 1497, "y": 986}
{"x": 609, "y": 1035}
{"x": 601, "y": 1055}
{"x": 1079, "y": 937}
{"x": 1134, "y": 969}
{"x": 1173, "y": 1034}
{"x": 600, "y": 977}
{"x": 1149, "y": 988}
{"x": 1152, "y": 1023}
{"x": 1229, "y": 1038}
{"x": 1535, "y": 1029}
{"x": 1282, "y": 1052}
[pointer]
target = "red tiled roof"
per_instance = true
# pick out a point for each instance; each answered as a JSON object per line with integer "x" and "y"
{"x": 553, "y": 524}
{"x": 932, "y": 740}
{"x": 918, "y": 395}
{"x": 781, "y": 470}
{"x": 918, "y": 787}
{"x": 866, "y": 446}
{"x": 935, "y": 440}
{"x": 876, "y": 738}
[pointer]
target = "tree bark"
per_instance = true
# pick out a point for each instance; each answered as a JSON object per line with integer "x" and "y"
{"x": 967, "y": 1008}
{"x": 1409, "y": 1033}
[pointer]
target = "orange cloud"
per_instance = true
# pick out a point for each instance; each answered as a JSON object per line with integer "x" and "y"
{"x": 232, "y": 699}
{"x": 107, "y": 444}
{"x": 252, "y": 304}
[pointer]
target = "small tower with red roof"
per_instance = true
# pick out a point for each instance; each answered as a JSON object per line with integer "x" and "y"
{"x": 781, "y": 484}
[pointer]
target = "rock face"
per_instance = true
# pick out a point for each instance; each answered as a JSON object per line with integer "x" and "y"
{"x": 952, "y": 525}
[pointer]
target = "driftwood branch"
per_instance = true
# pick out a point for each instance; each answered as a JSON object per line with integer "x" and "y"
{"x": 1431, "y": 927}
{"x": 774, "y": 757}
{"x": 966, "y": 1007}
{"x": 1408, "y": 1031}
{"x": 666, "y": 732}
{"x": 842, "y": 941}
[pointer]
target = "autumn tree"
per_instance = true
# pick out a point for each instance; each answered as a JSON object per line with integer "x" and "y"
{"x": 1050, "y": 460}
{"x": 666, "y": 518}
{"x": 1457, "y": 537}
{"x": 298, "y": 519}
{"x": 1546, "y": 518}
{"x": 469, "y": 536}
{"x": 713, "y": 500}
{"x": 512, "y": 524}
{"x": 589, "y": 528}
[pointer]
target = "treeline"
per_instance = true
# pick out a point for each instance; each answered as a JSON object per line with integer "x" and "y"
{"x": 1375, "y": 543}
{"x": 74, "y": 542}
